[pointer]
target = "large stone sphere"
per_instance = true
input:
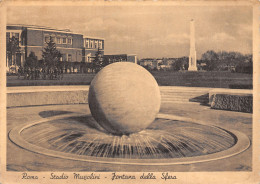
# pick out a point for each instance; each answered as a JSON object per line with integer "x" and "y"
{"x": 124, "y": 98}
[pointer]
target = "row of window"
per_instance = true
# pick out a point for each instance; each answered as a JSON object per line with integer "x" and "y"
{"x": 69, "y": 57}
{"x": 68, "y": 40}
{"x": 11, "y": 34}
{"x": 88, "y": 43}
{"x": 93, "y": 44}
{"x": 59, "y": 40}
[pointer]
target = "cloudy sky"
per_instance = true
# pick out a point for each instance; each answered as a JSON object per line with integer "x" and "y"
{"x": 149, "y": 31}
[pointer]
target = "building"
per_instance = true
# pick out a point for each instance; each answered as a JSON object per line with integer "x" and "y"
{"x": 74, "y": 47}
{"x": 121, "y": 57}
{"x": 167, "y": 63}
{"x": 151, "y": 63}
{"x": 90, "y": 47}
{"x": 164, "y": 63}
{"x": 132, "y": 58}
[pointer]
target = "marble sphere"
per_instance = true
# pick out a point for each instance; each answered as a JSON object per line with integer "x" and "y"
{"x": 124, "y": 98}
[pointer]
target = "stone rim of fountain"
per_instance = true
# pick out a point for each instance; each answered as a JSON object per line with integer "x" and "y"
{"x": 241, "y": 145}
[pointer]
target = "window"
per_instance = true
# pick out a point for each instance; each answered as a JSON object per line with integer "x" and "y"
{"x": 16, "y": 35}
{"x": 100, "y": 45}
{"x": 69, "y": 58}
{"x": 70, "y": 41}
{"x": 64, "y": 40}
{"x": 88, "y": 58}
{"x": 46, "y": 39}
{"x": 53, "y": 39}
{"x": 7, "y": 36}
{"x": 91, "y": 44}
{"x": 58, "y": 40}
{"x": 87, "y": 43}
{"x": 96, "y": 44}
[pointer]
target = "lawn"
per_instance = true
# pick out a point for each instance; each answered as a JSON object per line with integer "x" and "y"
{"x": 68, "y": 79}
{"x": 216, "y": 79}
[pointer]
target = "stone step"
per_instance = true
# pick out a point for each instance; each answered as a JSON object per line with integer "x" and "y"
{"x": 177, "y": 101}
{"x": 182, "y": 96}
{"x": 179, "y": 96}
{"x": 191, "y": 95}
{"x": 182, "y": 92}
{"x": 188, "y": 96}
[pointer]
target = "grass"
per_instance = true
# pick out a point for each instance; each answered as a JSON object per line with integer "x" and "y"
{"x": 68, "y": 79}
{"x": 218, "y": 79}
{"x": 215, "y": 79}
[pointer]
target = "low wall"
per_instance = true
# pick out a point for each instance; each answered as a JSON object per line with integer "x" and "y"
{"x": 230, "y": 99}
{"x": 226, "y": 99}
{"x": 51, "y": 95}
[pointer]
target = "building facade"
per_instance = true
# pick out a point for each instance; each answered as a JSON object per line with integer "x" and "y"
{"x": 121, "y": 58}
{"x": 149, "y": 63}
{"x": 74, "y": 47}
{"x": 90, "y": 47}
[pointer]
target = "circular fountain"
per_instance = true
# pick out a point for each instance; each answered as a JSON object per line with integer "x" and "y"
{"x": 168, "y": 140}
{"x": 120, "y": 129}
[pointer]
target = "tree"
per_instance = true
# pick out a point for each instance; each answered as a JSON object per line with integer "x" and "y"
{"x": 98, "y": 62}
{"x": 107, "y": 61}
{"x": 223, "y": 60}
{"x": 180, "y": 64}
{"x": 211, "y": 59}
{"x": 246, "y": 66}
{"x": 51, "y": 58}
{"x": 31, "y": 62}
{"x": 12, "y": 48}
{"x": 31, "y": 66}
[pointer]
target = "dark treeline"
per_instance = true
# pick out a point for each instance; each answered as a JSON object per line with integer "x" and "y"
{"x": 52, "y": 67}
{"x": 218, "y": 61}
{"x": 226, "y": 61}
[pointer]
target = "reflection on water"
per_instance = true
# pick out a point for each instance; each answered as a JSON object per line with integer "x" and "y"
{"x": 163, "y": 139}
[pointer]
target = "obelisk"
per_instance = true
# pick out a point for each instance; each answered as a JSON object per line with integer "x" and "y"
{"x": 192, "y": 57}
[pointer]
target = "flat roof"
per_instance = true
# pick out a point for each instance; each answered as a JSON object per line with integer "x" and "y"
{"x": 36, "y": 27}
{"x": 91, "y": 37}
{"x": 120, "y": 54}
{"x": 39, "y": 27}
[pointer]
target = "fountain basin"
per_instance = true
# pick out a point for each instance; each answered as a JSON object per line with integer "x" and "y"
{"x": 169, "y": 140}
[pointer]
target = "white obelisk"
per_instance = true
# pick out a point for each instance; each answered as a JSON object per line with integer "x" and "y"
{"x": 192, "y": 58}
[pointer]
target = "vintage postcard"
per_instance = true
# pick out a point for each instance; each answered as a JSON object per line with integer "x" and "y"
{"x": 129, "y": 91}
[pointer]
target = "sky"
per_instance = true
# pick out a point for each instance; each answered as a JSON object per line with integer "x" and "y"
{"x": 148, "y": 31}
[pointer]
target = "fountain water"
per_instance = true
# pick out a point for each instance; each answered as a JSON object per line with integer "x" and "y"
{"x": 168, "y": 140}
{"x": 181, "y": 139}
